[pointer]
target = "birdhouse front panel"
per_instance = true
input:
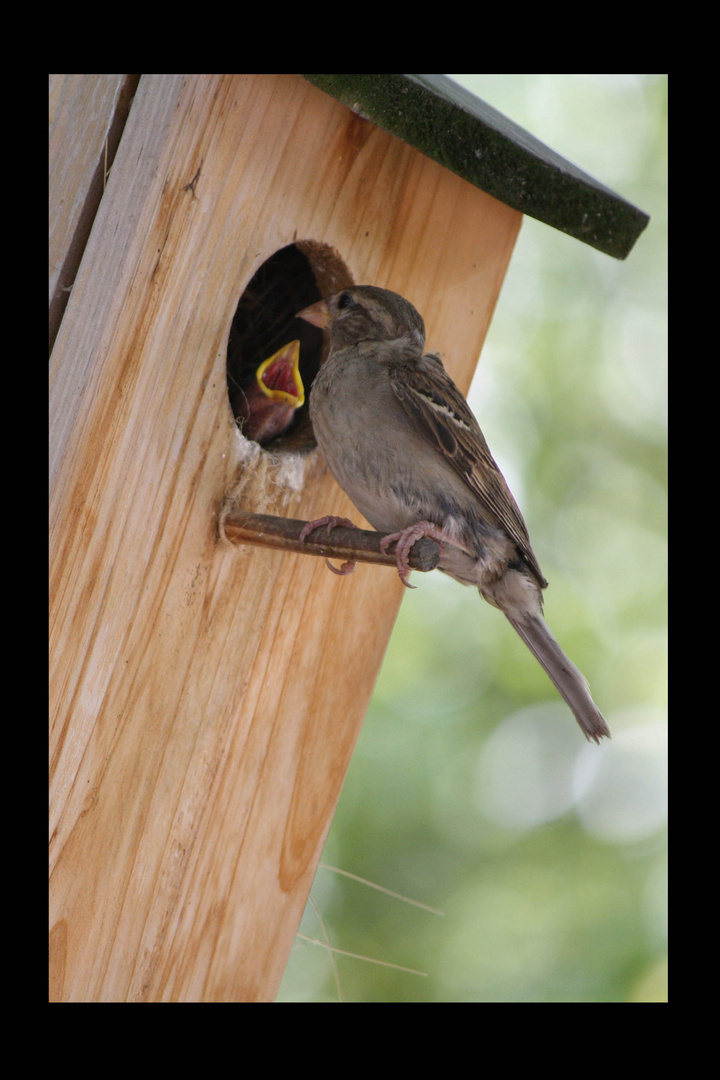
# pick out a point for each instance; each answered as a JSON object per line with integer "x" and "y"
{"x": 205, "y": 696}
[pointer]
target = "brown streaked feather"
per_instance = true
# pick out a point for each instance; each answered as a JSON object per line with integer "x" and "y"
{"x": 437, "y": 408}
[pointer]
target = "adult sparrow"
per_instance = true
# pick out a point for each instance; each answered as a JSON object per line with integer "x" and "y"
{"x": 402, "y": 442}
{"x": 267, "y": 405}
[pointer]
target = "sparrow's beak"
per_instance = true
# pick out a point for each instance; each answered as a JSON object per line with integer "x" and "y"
{"x": 317, "y": 314}
{"x": 279, "y": 377}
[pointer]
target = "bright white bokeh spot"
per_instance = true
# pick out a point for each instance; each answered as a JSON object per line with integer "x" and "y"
{"x": 622, "y": 795}
{"x": 526, "y": 769}
{"x": 534, "y": 769}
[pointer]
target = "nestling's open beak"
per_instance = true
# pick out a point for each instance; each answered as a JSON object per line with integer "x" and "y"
{"x": 279, "y": 376}
{"x": 317, "y": 314}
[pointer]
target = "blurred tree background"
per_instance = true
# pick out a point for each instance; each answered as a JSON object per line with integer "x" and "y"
{"x": 472, "y": 788}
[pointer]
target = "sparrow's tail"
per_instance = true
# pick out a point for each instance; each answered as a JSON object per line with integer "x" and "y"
{"x": 567, "y": 678}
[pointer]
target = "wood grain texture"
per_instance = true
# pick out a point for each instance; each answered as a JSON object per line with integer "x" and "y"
{"x": 206, "y": 698}
{"x": 86, "y": 115}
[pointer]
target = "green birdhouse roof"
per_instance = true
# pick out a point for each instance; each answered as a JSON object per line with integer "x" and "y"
{"x": 452, "y": 126}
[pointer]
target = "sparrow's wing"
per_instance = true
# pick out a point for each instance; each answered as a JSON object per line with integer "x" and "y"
{"x": 440, "y": 413}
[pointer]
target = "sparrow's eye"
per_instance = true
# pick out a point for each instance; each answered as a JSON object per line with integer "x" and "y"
{"x": 345, "y": 300}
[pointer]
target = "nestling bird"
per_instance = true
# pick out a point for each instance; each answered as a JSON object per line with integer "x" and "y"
{"x": 266, "y": 406}
{"x": 401, "y": 441}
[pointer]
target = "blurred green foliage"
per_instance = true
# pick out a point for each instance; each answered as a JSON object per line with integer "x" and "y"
{"x": 471, "y": 787}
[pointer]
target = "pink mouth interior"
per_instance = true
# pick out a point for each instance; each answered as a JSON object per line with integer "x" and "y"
{"x": 279, "y": 376}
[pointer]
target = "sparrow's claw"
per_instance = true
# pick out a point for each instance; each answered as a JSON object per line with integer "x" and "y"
{"x": 332, "y": 521}
{"x": 346, "y": 568}
{"x": 405, "y": 540}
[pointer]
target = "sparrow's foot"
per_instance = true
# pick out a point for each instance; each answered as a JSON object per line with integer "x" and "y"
{"x": 332, "y": 521}
{"x": 405, "y": 540}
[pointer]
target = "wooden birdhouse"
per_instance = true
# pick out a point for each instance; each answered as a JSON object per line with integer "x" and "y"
{"x": 206, "y": 690}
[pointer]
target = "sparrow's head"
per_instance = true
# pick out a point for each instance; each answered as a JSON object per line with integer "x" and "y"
{"x": 366, "y": 313}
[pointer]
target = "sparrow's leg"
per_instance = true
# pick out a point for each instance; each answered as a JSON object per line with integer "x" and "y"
{"x": 405, "y": 540}
{"x": 332, "y": 521}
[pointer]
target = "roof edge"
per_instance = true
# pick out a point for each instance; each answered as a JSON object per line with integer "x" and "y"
{"x": 449, "y": 124}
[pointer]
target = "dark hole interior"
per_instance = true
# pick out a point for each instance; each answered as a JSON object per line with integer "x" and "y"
{"x": 265, "y": 320}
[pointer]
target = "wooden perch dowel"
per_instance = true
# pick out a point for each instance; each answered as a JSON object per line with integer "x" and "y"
{"x": 351, "y": 545}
